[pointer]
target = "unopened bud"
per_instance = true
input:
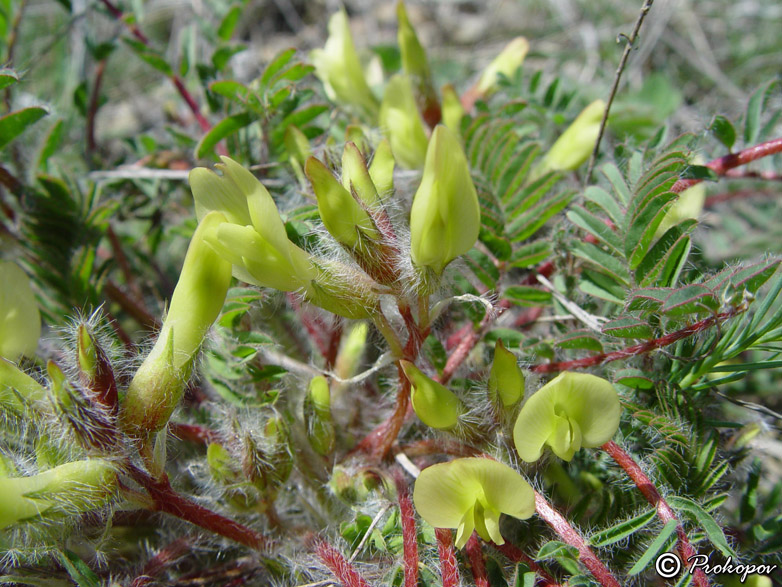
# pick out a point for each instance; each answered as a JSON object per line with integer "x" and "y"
{"x": 576, "y": 144}
{"x": 445, "y": 218}
{"x": 298, "y": 147}
{"x": 381, "y": 170}
{"x": 506, "y": 63}
{"x": 402, "y": 124}
{"x": 95, "y": 370}
{"x": 453, "y": 111}
{"x": 20, "y": 320}
{"x": 506, "y": 381}
{"x": 416, "y": 66}
{"x": 434, "y": 404}
{"x": 356, "y": 178}
{"x": 317, "y": 416}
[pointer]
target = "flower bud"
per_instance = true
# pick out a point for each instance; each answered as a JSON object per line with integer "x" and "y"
{"x": 416, "y": 66}
{"x": 381, "y": 170}
{"x": 453, "y": 111}
{"x": 342, "y": 215}
{"x": 506, "y": 63}
{"x": 356, "y": 178}
{"x": 338, "y": 67}
{"x": 355, "y": 134}
{"x": 317, "y": 416}
{"x": 576, "y": 144}
{"x": 95, "y": 370}
{"x": 20, "y": 320}
{"x": 506, "y": 381}
{"x": 434, "y": 404}
{"x": 159, "y": 383}
{"x": 279, "y": 456}
{"x": 68, "y": 490}
{"x": 401, "y": 123}
{"x": 571, "y": 411}
{"x": 445, "y": 218}
{"x": 298, "y": 147}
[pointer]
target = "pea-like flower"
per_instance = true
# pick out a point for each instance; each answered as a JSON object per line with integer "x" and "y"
{"x": 434, "y": 404}
{"x": 571, "y": 411}
{"x": 401, "y": 123}
{"x": 470, "y": 494}
{"x": 575, "y": 145}
{"x": 445, "y": 218}
{"x": 506, "y": 381}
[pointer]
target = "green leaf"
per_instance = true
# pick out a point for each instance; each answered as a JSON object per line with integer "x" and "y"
{"x": 230, "y": 89}
{"x": 149, "y": 56}
{"x": 483, "y": 268}
{"x": 280, "y": 60}
{"x": 580, "y": 339}
{"x": 699, "y": 172}
{"x": 643, "y": 226}
{"x": 525, "y": 295}
{"x": 607, "y": 203}
{"x": 222, "y": 55}
{"x": 531, "y": 221}
{"x": 753, "y": 276}
{"x": 227, "y": 26}
{"x": 78, "y": 570}
{"x": 602, "y": 261}
{"x": 222, "y": 129}
{"x": 51, "y": 144}
{"x": 627, "y": 327}
{"x": 634, "y": 378}
{"x": 690, "y": 299}
{"x": 498, "y": 245}
{"x": 648, "y": 299}
{"x": 673, "y": 243}
{"x": 666, "y": 537}
{"x": 622, "y": 530}
{"x": 616, "y": 179}
{"x": 294, "y": 73}
{"x": 701, "y": 517}
{"x": 723, "y": 131}
{"x": 8, "y": 77}
{"x": 555, "y": 548}
{"x": 601, "y": 285}
{"x": 530, "y": 254}
{"x": 595, "y": 226}
{"x": 15, "y": 123}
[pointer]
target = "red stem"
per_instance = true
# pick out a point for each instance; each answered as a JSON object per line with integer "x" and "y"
{"x": 637, "y": 349}
{"x": 477, "y": 563}
{"x": 722, "y": 165}
{"x": 169, "y": 501}
{"x": 652, "y": 495}
{"x": 569, "y": 534}
{"x": 448, "y": 566}
{"x": 341, "y": 568}
{"x": 409, "y": 534}
{"x": 92, "y": 110}
{"x": 193, "y": 433}
{"x": 163, "y": 559}
{"x": 466, "y": 345}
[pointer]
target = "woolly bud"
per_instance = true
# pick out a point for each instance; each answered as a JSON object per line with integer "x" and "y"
{"x": 434, "y": 404}
{"x": 317, "y": 416}
{"x": 95, "y": 370}
{"x": 506, "y": 381}
{"x": 159, "y": 383}
{"x": 445, "y": 218}
{"x": 338, "y": 67}
{"x": 20, "y": 320}
{"x": 402, "y": 124}
{"x": 70, "y": 489}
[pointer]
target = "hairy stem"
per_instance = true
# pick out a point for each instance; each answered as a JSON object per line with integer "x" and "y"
{"x": 516, "y": 555}
{"x": 341, "y": 568}
{"x": 652, "y": 495}
{"x": 164, "y": 558}
{"x": 170, "y": 502}
{"x": 448, "y": 566}
{"x": 409, "y": 535}
{"x": 638, "y": 349}
{"x": 477, "y": 562}
{"x": 723, "y": 165}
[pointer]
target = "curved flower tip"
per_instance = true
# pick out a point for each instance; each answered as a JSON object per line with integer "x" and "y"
{"x": 571, "y": 411}
{"x": 506, "y": 63}
{"x": 575, "y": 145}
{"x": 506, "y": 381}
{"x": 401, "y": 123}
{"x": 470, "y": 494}
{"x": 20, "y": 320}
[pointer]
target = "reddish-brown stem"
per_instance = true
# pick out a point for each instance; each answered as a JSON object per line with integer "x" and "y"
{"x": 314, "y": 327}
{"x": 131, "y": 306}
{"x": 760, "y": 175}
{"x": 193, "y": 433}
{"x": 477, "y": 563}
{"x": 448, "y": 566}
{"x": 166, "y": 557}
{"x": 341, "y": 568}
{"x": 652, "y": 495}
{"x": 175, "y": 79}
{"x": 409, "y": 535}
{"x": 335, "y": 336}
{"x": 516, "y": 555}
{"x": 637, "y": 349}
{"x": 170, "y": 502}
{"x": 466, "y": 345}
{"x": 92, "y": 109}
{"x": 431, "y": 446}
{"x": 572, "y": 537}
{"x": 722, "y": 165}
